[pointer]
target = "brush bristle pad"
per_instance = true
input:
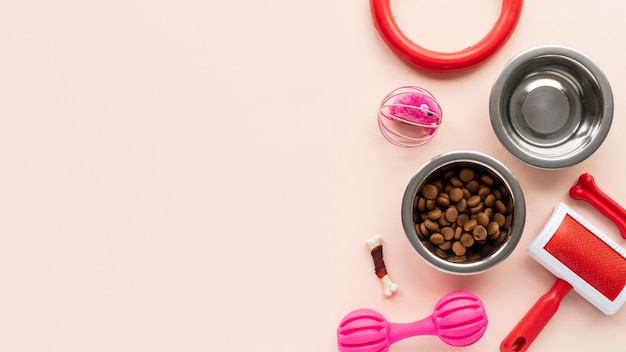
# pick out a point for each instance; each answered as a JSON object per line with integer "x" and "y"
{"x": 589, "y": 257}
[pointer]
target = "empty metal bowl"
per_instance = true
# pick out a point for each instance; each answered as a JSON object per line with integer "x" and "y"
{"x": 551, "y": 107}
{"x": 482, "y": 164}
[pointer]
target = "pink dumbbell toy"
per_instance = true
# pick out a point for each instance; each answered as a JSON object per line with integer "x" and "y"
{"x": 459, "y": 319}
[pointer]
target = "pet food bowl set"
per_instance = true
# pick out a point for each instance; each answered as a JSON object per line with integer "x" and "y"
{"x": 551, "y": 107}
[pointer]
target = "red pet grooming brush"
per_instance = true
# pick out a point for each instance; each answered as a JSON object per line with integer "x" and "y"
{"x": 581, "y": 257}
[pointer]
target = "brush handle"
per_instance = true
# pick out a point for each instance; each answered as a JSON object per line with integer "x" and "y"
{"x": 587, "y": 190}
{"x": 525, "y": 332}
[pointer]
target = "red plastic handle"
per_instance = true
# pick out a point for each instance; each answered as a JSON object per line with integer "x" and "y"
{"x": 525, "y": 332}
{"x": 444, "y": 62}
{"x": 587, "y": 190}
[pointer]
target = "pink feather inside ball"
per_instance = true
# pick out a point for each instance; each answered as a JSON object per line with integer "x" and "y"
{"x": 417, "y": 108}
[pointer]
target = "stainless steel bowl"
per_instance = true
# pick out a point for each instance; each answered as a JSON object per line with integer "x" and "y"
{"x": 484, "y": 164}
{"x": 551, "y": 107}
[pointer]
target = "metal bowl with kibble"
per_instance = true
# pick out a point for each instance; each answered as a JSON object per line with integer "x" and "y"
{"x": 463, "y": 212}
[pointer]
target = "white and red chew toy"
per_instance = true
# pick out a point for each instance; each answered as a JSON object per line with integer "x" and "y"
{"x": 376, "y": 249}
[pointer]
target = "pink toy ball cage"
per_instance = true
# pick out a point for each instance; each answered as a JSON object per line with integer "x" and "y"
{"x": 409, "y": 116}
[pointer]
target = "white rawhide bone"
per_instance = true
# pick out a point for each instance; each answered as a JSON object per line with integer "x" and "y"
{"x": 376, "y": 249}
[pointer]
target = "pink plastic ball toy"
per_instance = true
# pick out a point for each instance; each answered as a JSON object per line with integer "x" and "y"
{"x": 459, "y": 319}
{"x": 409, "y": 116}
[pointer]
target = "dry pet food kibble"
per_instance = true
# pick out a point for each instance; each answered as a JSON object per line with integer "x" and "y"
{"x": 463, "y": 215}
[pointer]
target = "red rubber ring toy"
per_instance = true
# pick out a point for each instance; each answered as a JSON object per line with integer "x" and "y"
{"x": 435, "y": 61}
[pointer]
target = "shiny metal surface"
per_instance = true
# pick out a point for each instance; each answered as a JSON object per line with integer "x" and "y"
{"x": 551, "y": 107}
{"x": 486, "y": 164}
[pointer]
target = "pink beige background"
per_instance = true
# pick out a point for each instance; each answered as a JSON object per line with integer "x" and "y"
{"x": 202, "y": 175}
